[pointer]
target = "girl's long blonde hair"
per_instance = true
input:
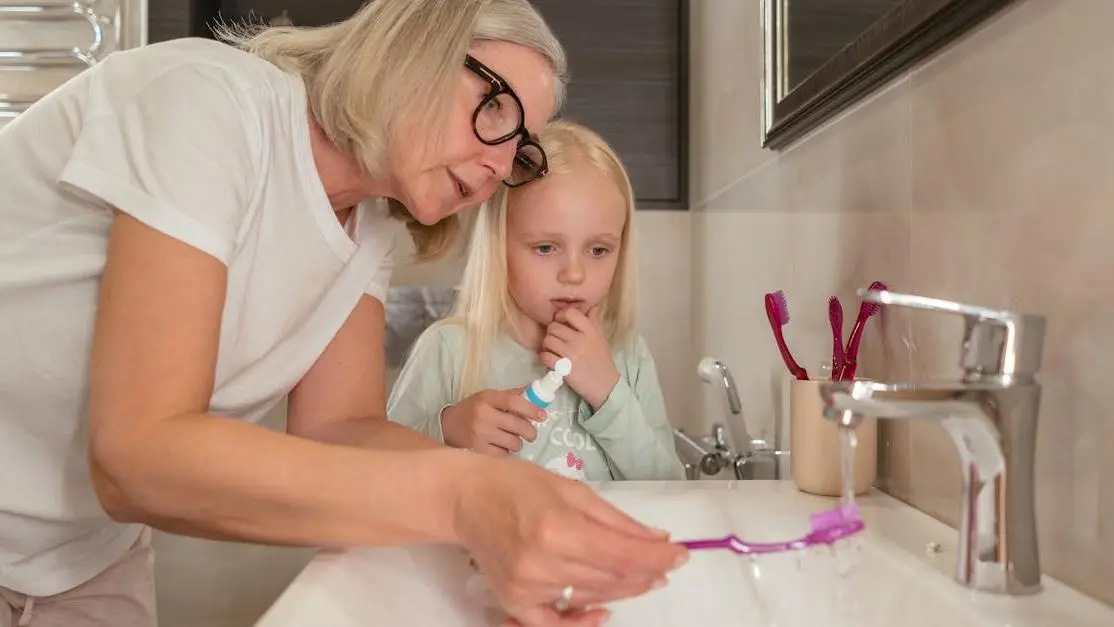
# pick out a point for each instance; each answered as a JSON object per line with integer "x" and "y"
{"x": 365, "y": 74}
{"x": 484, "y": 306}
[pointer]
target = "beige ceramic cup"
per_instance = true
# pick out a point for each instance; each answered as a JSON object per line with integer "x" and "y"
{"x": 816, "y": 451}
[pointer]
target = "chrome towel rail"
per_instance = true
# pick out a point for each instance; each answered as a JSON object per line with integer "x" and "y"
{"x": 21, "y": 10}
{"x": 11, "y": 107}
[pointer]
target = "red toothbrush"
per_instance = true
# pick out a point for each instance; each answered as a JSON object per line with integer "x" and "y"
{"x": 777, "y": 310}
{"x": 835, "y": 317}
{"x": 866, "y": 311}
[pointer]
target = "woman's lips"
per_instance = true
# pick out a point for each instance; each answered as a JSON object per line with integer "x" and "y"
{"x": 462, "y": 189}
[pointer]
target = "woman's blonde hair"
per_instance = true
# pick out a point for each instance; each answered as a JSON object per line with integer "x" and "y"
{"x": 364, "y": 74}
{"x": 484, "y": 305}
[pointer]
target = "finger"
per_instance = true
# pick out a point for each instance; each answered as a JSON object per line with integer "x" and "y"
{"x": 620, "y": 544}
{"x": 555, "y": 345}
{"x": 518, "y": 426}
{"x": 591, "y": 618}
{"x": 505, "y": 440}
{"x": 576, "y": 618}
{"x": 491, "y": 450}
{"x": 548, "y": 359}
{"x": 562, "y": 331}
{"x": 583, "y": 599}
{"x": 546, "y": 616}
{"x": 577, "y": 320}
{"x": 591, "y": 585}
{"x": 595, "y": 507}
{"x": 516, "y": 405}
{"x": 536, "y": 616}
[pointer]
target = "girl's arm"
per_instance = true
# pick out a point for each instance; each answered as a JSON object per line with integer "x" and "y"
{"x": 631, "y": 425}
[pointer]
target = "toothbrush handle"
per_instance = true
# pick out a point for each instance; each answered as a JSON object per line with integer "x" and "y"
{"x": 745, "y": 548}
{"x": 835, "y": 317}
{"x": 866, "y": 310}
{"x": 775, "y": 325}
{"x": 846, "y": 370}
{"x": 718, "y": 543}
{"x": 794, "y": 368}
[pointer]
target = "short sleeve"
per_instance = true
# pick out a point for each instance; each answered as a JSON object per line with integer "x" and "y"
{"x": 180, "y": 154}
{"x": 379, "y": 283}
{"x": 427, "y": 382}
{"x": 379, "y": 233}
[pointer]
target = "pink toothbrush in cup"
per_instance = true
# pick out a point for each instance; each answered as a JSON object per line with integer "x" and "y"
{"x": 827, "y": 528}
{"x": 777, "y": 311}
{"x": 866, "y": 311}
{"x": 835, "y": 318}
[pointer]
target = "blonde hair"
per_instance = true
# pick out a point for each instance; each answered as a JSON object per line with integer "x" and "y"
{"x": 364, "y": 73}
{"x": 484, "y": 305}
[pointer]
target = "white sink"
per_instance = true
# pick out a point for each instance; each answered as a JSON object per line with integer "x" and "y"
{"x": 893, "y": 579}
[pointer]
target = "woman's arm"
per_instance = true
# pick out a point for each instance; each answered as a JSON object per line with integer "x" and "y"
{"x": 631, "y": 425}
{"x": 341, "y": 399}
{"x": 158, "y": 457}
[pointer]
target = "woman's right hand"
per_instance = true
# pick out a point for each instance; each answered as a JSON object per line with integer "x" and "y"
{"x": 532, "y": 533}
{"x": 491, "y": 422}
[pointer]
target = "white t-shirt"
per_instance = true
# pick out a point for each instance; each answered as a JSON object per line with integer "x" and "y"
{"x": 207, "y": 144}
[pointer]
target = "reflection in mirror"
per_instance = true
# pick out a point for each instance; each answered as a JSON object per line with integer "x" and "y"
{"x": 823, "y": 55}
{"x": 819, "y": 29}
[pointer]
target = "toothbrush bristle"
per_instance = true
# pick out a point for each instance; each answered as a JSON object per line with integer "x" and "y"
{"x": 780, "y": 305}
{"x": 838, "y": 516}
{"x": 872, "y": 309}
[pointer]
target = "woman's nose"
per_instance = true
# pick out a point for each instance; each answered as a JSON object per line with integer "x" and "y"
{"x": 499, "y": 159}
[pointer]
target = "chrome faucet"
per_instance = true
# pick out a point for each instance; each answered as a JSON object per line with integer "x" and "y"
{"x": 991, "y": 416}
{"x": 712, "y": 453}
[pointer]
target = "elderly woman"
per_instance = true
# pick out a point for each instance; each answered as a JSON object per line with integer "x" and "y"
{"x": 188, "y": 234}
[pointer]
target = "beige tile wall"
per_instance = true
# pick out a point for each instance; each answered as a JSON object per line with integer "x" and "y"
{"x": 983, "y": 175}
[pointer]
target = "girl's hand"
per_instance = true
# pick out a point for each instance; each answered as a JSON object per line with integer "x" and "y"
{"x": 532, "y": 532}
{"x": 491, "y": 422}
{"x": 581, "y": 339}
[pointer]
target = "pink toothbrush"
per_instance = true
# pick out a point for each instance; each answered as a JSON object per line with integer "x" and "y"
{"x": 777, "y": 310}
{"x": 827, "y": 528}
{"x": 866, "y": 310}
{"x": 835, "y": 317}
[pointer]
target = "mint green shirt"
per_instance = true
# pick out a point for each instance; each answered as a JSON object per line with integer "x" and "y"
{"x": 629, "y": 438}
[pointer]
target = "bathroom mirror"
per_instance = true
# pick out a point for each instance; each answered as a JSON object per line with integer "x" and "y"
{"x": 823, "y": 55}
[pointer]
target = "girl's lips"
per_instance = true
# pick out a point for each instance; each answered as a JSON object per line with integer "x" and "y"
{"x": 567, "y": 302}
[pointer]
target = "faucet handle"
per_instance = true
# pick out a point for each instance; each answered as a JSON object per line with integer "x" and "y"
{"x": 998, "y": 345}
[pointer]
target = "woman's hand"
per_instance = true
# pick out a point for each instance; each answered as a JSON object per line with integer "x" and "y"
{"x": 491, "y": 422}
{"x": 532, "y": 533}
{"x": 580, "y": 338}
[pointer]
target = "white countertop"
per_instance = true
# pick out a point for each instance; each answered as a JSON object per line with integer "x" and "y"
{"x": 895, "y": 580}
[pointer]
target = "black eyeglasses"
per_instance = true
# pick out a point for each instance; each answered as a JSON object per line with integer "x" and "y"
{"x": 500, "y": 118}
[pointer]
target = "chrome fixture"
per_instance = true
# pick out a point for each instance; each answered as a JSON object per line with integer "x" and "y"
{"x": 112, "y": 26}
{"x": 710, "y": 454}
{"x": 991, "y": 415}
{"x": 55, "y": 12}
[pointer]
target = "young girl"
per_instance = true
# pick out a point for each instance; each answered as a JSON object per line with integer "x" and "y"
{"x": 551, "y": 274}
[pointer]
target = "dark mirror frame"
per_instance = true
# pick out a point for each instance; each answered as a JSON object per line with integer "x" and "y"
{"x": 905, "y": 35}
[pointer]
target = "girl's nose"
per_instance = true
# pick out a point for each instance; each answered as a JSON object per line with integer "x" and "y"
{"x": 572, "y": 273}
